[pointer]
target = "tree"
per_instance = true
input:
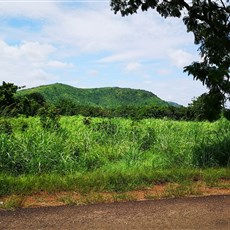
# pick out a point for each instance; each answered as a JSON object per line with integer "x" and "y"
{"x": 200, "y": 109}
{"x": 7, "y": 92}
{"x": 7, "y": 99}
{"x": 209, "y": 21}
{"x": 30, "y": 104}
{"x": 10, "y": 105}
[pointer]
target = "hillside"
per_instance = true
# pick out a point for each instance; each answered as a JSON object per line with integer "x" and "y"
{"x": 108, "y": 97}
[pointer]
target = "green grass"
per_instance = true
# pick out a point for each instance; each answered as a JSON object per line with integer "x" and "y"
{"x": 109, "y": 154}
{"x": 103, "y": 181}
{"x": 12, "y": 202}
{"x": 181, "y": 190}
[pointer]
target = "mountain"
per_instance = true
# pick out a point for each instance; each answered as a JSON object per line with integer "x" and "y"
{"x": 108, "y": 97}
{"x": 174, "y": 104}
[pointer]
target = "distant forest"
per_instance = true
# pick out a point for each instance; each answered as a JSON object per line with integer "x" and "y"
{"x": 58, "y": 99}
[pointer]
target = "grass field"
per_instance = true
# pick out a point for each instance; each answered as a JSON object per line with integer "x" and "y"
{"x": 84, "y": 155}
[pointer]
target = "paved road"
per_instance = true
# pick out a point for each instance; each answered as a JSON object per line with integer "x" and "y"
{"x": 189, "y": 213}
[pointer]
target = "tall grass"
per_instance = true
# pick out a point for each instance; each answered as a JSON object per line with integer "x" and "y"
{"x": 113, "y": 154}
{"x": 28, "y": 148}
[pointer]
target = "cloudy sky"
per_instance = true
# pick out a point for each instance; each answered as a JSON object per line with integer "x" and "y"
{"x": 84, "y": 44}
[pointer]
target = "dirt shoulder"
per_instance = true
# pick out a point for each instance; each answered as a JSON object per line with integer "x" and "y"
{"x": 166, "y": 190}
{"x": 212, "y": 212}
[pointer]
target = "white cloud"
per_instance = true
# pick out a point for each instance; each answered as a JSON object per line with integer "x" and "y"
{"x": 34, "y": 51}
{"x": 133, "y": 66}
{"x": 39, "y": 75}
{"x": 33, "y": 10}
{"x": 31, "y": 51}
{"x": 96, "y": 29}
{"x": 25, "y": 63}
{"x": 181, "y": 58}
{"x": 92, "y": 34}
{"x": 59, "y": 64}
{"x": 164, "y": 71}
{"x": 181, "y": 90}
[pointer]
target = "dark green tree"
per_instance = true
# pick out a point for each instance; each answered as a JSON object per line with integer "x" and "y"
{"x": 30, "y": 104}
{"x": 201, "y": 110}
{"x": 209, "y": 21}
{"x": 12, "y": 105}
{"x": 8, "y": 101}
{"x": 7, "y": 93}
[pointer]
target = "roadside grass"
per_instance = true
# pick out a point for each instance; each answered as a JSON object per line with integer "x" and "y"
{"x": 68, "y": 199}
{"x": 113, "y": 181}
{"x": 26, "y": 147}
{"x": 184, "y": 189}
{"x": 12, "y": 202}
{"x": 163, "y": 191}
{"x": 123, "y": 197}
{"x": 111, "y": 155}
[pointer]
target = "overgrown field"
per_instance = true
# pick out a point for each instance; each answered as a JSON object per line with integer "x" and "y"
{"x": 108, "y": 154}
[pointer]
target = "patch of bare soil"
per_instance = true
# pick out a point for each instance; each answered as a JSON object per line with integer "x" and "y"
{"x": 167, "y": 190}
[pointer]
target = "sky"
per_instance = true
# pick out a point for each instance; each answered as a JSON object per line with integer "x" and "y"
{"x": 84, "y": 44}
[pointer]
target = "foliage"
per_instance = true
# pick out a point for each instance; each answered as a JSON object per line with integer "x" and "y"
{"x": 11, "y": 105}
{"x": 32, "y": 103}
{"x": 213, "y": 149}
{"x": 99, "y": 154}
{"x": 49, "y": 117}
{"x": 7, "y": 99}
{"x": 102, "y": 102}
{"x": 29, "y": 146}
{"x": 110, "y": 97}
{"x": 210, "y": 24}
{"x": 5, "y": 127}
{"x": 7, "y": 92}
{"x": 200, "y": 108}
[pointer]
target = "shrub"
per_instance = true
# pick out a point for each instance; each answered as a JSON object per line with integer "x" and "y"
{"x": 6, "y": 127}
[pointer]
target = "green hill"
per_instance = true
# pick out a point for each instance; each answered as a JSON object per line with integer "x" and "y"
{"x": 108, "y": 97}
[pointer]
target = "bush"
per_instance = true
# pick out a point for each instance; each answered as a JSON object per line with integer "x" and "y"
{"x": 215, "y": 154}
{"x": 6, "y": 127}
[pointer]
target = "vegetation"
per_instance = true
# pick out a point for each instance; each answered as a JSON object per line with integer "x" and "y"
{"x": 108, "y": 154}
{"x": 11, "y": 106}
{"x": 137, "y": 104}
{"x": 210, "y": 24}
{"x": 110, "y": 97}
{"x": 115, "y": 149}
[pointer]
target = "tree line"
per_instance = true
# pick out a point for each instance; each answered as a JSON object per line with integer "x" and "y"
{"x": 34, "y": 104}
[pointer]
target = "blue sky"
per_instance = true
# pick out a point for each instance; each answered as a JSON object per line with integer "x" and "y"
{"x": 84, "y": 44}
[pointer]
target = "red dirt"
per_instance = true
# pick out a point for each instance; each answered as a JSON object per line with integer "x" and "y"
{"x": 44, "y": 199}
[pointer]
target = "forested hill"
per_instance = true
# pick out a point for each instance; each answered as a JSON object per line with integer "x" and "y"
{"x": 109, "y": 97}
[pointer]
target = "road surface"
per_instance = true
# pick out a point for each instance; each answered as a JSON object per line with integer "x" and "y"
{"x": 212, "y": 212}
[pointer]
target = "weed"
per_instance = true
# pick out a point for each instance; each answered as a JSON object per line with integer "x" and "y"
{"x": 181, "y": 190}
{"x": 68, "y": 200}
{"x": 5, "y": 127}
{"x": 94, "y": 198}
{"x": 12, "y": 202}
{"x": 123, "y": 197}
{"x": 149, "y": 196}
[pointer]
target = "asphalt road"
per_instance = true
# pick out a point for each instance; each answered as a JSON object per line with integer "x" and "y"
{"x": 210, "y": 213}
